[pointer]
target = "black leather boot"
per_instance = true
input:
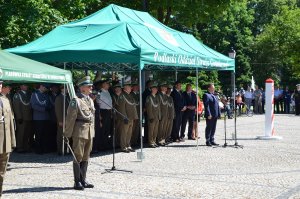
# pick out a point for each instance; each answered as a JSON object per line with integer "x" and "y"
{"x": 83, "y": 167}
{"x": 77, "y": 179}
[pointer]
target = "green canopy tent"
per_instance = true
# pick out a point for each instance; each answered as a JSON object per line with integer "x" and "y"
{"x": 120, "y": 39}
{"x": 20, "y": 69}
{"x": 15, "y": 68}
{"x": 121, "y": 35}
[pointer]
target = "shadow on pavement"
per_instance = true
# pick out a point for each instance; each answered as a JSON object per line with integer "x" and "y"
{"x": 37, "y": 189}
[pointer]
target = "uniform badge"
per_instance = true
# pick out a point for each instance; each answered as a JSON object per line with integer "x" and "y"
{"x": 73, "y": 103}
{"x": 16, "y": 96}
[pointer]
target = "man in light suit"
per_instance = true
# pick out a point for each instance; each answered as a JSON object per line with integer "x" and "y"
{"x": 212, "y": 113}
{"x": 7, "y": 134}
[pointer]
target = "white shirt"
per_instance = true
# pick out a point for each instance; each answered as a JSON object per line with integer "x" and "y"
{"x": 104, "y": 100}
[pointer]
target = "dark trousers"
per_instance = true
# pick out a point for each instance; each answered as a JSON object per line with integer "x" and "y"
{"x": 286, "y": 106}
{"x": 297, "y": 108}
{"x": 176, "y": 125}
{"x": 42, "y": 136}
{"x": 210, "y": 129}
{"x": 97, "y": 138}
{"x": 188, "y": 116}
{"x": 52, "y": 136}
{"x": 106, "y": 134}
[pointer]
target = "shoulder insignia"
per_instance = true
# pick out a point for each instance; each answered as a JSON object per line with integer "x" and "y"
{"x": 16, "y": 96}
{"x": 73, "y": 103}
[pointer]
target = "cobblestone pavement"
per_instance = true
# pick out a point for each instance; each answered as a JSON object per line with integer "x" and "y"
{"x": 262, "y": 169}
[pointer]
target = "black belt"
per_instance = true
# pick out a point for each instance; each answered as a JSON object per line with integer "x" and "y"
{"x": 84, "y": 121}
{"x": 108, "y": 110}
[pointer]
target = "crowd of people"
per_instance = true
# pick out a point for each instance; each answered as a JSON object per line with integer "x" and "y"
{"x": 103, "y": 110}
{"x": 167, "y": 113}
{"x": 285, "y": 100}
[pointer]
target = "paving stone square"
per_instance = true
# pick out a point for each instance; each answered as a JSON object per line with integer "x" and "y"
{"x": 262, "y": 169}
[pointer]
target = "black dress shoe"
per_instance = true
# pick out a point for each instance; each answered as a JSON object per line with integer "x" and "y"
{"x": 192, "y": 138}
{"x": 78, "y": 186}
{"x": 87, "y": 185}
{"x": 125, "y": 151}
{"x": 208, "y": 144}
{"x": 214, "y": 144}
{"x": 130, "y": 149}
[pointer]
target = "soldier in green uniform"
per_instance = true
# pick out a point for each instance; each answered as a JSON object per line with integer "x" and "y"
{"x": 23, "y": 116}
{"x": 136, "y": 125}
{"x": 59, "y": 112}
{"x": 128, "y": 108}
{"x": 170, "y": 115}
{"x": 80, "y": 127}
{"x": 162, "y": 128}
{"x": 153, "y": 112}
{"x": 117, "y": 91}
{"x": 7, "y": 134}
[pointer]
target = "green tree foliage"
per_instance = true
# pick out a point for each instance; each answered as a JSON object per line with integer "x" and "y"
{"x": 277, "y": 48}
{"x": 21, "y": 21}
{"x": 232, "y": 29}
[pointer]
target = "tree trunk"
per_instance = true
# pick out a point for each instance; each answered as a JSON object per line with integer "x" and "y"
{"x": 168, "y": 15}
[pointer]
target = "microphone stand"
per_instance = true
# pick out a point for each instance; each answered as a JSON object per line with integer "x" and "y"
{"x": 115, "y": 112}
{"x": 235, "y": 145}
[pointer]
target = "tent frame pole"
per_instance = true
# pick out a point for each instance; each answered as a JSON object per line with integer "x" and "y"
{"x": 197, "y": 115}
{"x": 64, "y": 116}
{"x": 140, "y": 155}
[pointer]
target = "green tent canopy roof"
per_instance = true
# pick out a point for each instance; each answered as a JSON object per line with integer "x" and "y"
{"x": 120, "y": 35}
{"x": 20, "y": 69}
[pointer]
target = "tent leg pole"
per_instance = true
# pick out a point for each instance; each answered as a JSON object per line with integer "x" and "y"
{"x": 197, "y": 115}
{"x": 140, "y": 154}
{"x": 176, "y": 75}
{"x": 64, "y": 116}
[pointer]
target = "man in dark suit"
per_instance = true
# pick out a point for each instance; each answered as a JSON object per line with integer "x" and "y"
{"x": 212, "y": 113}
{"x": 179, "y": 105}
{"x": 189, "y": 113}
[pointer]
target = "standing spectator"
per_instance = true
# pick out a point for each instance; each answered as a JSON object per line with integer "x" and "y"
{"x": 104, "y": 101}
{"x": 145, "y": 94}
{"x": 287, "y": 97}
{"x": 59, "y": 111}
{"x": 23, "y": 117}
{"x": 179, "y": 105}
{"x": 257, "y": 100}
{"x": 297, "y": 100}
{"x": 189, "y": 114}
{"x": 212, "y": 113}
{"x": 199, "y": 112}
{"x": 163, "y": 104}
{"x": 263, "y": 99}
{"x": 153, "y": 110}
{"x": 54, "y": 91}
{"x": 41, "y": 107}
{"x": 277, "y": 99}
{"x": 248, "y": 97}
{"x": 171, "y": 115}
{"x": 136, "y": 123}
{"x": 239, "y": 103}
{"x": 117, "y": 118}
{"x": 127, "y": 108}
{"x": 97, "y": 138}
{"x": 7, "y": 134}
